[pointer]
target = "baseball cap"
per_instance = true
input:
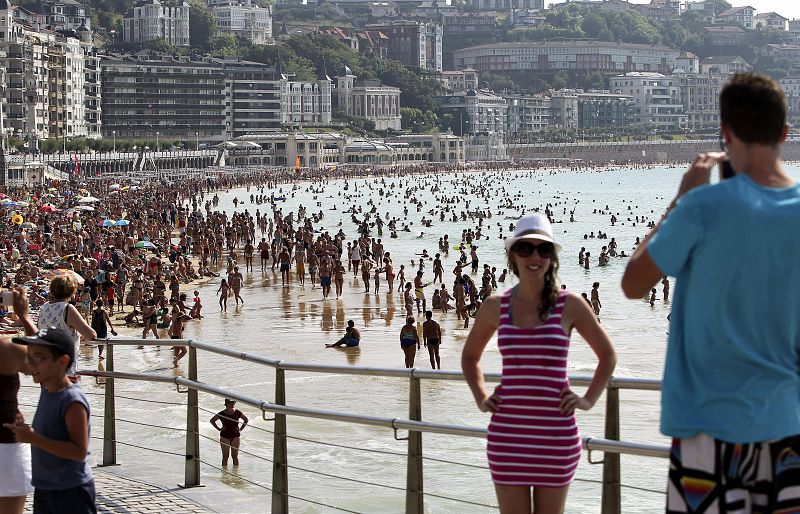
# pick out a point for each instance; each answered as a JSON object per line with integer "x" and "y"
{"x": 535, "y": 227}
{"x": 51, "y": 336}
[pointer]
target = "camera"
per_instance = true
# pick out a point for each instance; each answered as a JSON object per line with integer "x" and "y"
{"x": 726, "y": 169}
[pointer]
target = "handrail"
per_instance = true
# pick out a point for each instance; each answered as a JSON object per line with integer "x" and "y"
{"x": 643, "y": 384}
{"x": 589, "y": 443}
{"x": 610, "y": 445}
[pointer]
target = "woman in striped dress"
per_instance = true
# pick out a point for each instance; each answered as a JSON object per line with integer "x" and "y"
{"x": 533, "y": 444}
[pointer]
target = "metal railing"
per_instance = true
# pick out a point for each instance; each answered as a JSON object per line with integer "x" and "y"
{"x": 610, "y": 444}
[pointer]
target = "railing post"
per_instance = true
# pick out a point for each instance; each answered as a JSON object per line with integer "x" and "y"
{"x": 414, "y": 497}
{"x": 612, "y": 499}
{"x": 109, "y": 414}
{"x": 192, "y": 470}
{"x": 280, "y": 465}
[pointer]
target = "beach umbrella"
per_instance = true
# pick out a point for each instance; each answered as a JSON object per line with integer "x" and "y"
{"x": 28, "y": 224}
{"x": 48, "y": 208}
{"x": 84, "y": 208}
{"x": 114, "y": 186}
{"x": 17, "y": 219}
{"x": 88, "y": 199}
{"x": 106, "y": 223}
{"x": 122, "y": 223}
{"x": 22, "y": 204}
{"x": 51, "y": 274}
{"x": 145, "y": 244}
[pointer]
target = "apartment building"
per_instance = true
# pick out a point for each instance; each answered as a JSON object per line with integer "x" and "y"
{"x": 792, "y": 35}
{"x": 527, "y": 114}
{"x": 306, "y": 103}
{"x": 92, "y": 88}
{"x": 475, "y": 111}
{"x": 61, "y": 14}
{"x": 66, "y": 75}
{"x": 149, "y": 20}
{"x": 699, "y": 95}
{"x": 369, "y": 99}
{"x": 459, "y": 80}
{"x": 146, "y": 96}
{"x": 566, "y": 55}
{"x": 468, "y": 24}
{"x": 783, "y": 53}
{"x": 506, "y": 5}
{"x": 724, "y": 35}
{"x": 705, "y": 11}
{"x": 656, "y": 97}
{"x": 601, "y": 109}
{"x": 564, "y": 109}
{"x": 413, "y": 42}
{"x": 252, "y": 97}
{"x": 243, "y": 19}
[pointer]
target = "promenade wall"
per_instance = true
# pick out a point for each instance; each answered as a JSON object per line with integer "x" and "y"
{"x": 641, "y": 152}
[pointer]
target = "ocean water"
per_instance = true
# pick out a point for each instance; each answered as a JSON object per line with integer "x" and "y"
{"x": 294, "y": 324}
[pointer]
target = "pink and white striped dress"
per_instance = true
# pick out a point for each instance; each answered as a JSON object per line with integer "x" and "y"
{"x": 530, "y": 442}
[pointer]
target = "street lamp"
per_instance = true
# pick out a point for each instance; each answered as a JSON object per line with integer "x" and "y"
{"x": 114, "y": 135}
{"x": 157, "y": 133}
{"x": 196, "y": 141}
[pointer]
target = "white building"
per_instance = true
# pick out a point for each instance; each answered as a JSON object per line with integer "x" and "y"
{"x": 657, "y": 99}
{"x": 742, "y": 15}
{"x": 92, "y": 85}
{"x": 44, "y": 79}
{"x": 243, "y": 19}
{"x": 149, "y": 21}
{"x": 771, "y": 20}
{"x": 704, "y": 10}
{"x": 792, "y": 35}
{"x": 527, "y": 113}
{"x": 724, "y": 65}
{"x": 369, "y": 99}
{"x": 699, "y": 95}
{"x": 564, "y": 109}
{"x": 459, "y": 80}
{"x": 566, "y": 55}
{"x": 306, "y": 103}
{"x": 688, "y": 63}
{"x": 486, "y": 146}
{"x": 476, "y": 111}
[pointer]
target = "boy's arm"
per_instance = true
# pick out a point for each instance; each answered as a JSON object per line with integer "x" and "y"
{"x": 77, "y": 421}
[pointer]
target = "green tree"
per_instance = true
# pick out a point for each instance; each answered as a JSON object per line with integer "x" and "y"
{"x": 418, "y": 121}
{"x": 202, "y": 26}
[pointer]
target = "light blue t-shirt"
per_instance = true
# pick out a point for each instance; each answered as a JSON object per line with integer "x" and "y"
{"x": 732, "y": 368}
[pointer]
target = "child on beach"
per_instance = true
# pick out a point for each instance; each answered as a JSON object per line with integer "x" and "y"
{"x": 223, "y": 292}
{"x": 197, "y": 307}
{"x": 59, "y": 434}
{"x": 101, "y": 322}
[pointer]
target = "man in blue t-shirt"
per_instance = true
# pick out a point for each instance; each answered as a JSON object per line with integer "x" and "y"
{"x": 731, "y": 388}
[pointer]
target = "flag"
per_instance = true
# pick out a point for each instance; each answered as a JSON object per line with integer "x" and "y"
{"x": 77, "y": 166}
{"x": 297, "y": 162}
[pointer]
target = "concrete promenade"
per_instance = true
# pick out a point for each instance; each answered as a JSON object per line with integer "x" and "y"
{"x": 120, "y": 494}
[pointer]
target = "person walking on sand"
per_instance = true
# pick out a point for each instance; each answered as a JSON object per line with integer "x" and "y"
{"x": 230, "y": 431}
{"x": 730, "y": 393}
{"x": 432, "y": 338}
{"x": 533, "y": 443}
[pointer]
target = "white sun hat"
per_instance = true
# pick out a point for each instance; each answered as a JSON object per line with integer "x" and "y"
{"x": 535, "y": 227}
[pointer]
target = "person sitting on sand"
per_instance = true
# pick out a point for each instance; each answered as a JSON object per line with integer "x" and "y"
{"x": 351, "y": 338}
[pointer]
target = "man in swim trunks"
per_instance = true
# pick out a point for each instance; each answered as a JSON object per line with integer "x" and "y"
{"x": 235, "y": 280}
{"x": 352, "y": 337}
{"x": 263, "y": 248}
{"x": 730, "y": 397}
{"x": 432, "y": 338}
{"x": 285, "y": 265}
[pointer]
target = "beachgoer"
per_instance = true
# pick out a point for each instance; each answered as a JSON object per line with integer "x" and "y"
{"x": 230, "y": 431}
{"x": 729, "y": 397}
{"x": 432, "y": 338}
{"x": 533, "y": 440}
{"x": 409, "y": 341}
{"x": 101, "y": 322}
{"x": 351, "y": 338}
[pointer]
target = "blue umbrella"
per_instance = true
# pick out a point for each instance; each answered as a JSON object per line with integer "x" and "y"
{"x": 122, "y": 223}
